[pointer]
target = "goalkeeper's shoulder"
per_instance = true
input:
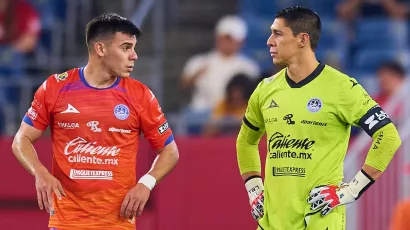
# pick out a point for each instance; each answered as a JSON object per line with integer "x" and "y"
{"x": 337, "y": 76}
{"x": 338, "y": 79}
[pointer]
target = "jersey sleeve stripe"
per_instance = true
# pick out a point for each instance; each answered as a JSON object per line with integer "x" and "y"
{"x": 169, "y": 140}
{"x": 28, "y": 120}
{"x": 374, "y": 120}
{"x": 247, "y": 123}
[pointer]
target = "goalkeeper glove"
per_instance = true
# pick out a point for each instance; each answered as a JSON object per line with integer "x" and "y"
{"x": 330, "y": 196}
{"x": 254, "y": 186}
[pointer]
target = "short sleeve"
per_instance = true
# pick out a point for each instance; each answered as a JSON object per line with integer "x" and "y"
{"x": 154, "y": 125}
{"x": 38, "y": 114}
{"x": 357, "y": 108}
{"x": 253, "y": 116}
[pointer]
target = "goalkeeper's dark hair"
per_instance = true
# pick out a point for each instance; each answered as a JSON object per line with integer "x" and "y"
{"x": 302, "y": 20}
{"x": 108, "y": 24}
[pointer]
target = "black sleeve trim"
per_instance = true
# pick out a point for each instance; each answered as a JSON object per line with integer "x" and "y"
{"x": 367, "y": 186}
{"x": 247, "y": 123}
{"x": 251, "y": 177}
{"x": 374, "y": 120}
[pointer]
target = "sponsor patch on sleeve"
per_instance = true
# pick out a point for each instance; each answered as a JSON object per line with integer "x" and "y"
{"x": 32, "y": 113}
{"x": 164, "y": 127}
{"x": 61, "y": 77}
{"x": 374, "y": 120}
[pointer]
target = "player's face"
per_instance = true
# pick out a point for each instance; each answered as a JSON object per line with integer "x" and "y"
{"x": 283, "y": 45}
{"x": 388, "y": 81}
{"x": 227, "y": 45}
{"x": 236, "y": 97}
{"x": 121, "y": 54}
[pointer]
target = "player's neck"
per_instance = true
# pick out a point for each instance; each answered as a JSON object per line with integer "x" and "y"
{"x": 97, "y": 77}
{"x": 302, "y": 67}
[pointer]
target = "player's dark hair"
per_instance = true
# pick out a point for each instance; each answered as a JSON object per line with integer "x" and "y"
{"x": 395, "y": 67}
{"x": 108, "y": 24}
{"x": 302, "y": 20}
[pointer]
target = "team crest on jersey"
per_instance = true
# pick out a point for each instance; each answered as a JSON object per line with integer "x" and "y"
{"x": 61, "y": 77}
{"x": 121, "y": 112}
{"x": 314, "y": 105}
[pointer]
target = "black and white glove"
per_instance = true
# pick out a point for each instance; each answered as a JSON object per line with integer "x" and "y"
{"x": 254, "y": 186}
{"x": 329, "y": 197}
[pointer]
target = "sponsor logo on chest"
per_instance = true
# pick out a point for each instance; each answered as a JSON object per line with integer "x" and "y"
{"x": 68, "y": 125}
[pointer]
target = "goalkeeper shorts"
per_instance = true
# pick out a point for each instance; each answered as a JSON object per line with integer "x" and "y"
{"x": 335, "y": 220}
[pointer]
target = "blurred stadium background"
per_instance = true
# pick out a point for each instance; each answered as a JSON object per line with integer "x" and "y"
{"x": 365, "y": 39}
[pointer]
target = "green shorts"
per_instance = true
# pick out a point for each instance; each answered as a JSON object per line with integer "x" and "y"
{"x": 335, "y": 220}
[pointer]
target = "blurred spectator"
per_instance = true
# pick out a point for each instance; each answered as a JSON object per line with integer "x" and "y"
{"x": 350, "y": 10}
{"x": 401, "y": 216}
{"x": 227, "y": 115}
{"x": 19, "y": 25}
{"x": 19, "y": 31}
{"x": 207, "y": 74}
{"x": 390, "y": 76}
{"x": 374, "y": 31}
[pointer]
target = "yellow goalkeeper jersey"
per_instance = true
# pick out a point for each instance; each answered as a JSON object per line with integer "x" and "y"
{"x": 308, "y": 128}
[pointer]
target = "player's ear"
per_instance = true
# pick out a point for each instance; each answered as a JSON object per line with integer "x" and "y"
{"x": 303, "y": 39}
{"x": 100, "y": 49}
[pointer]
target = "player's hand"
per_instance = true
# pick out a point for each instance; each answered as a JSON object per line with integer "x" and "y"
{"x": 46, "y": 185}
{"x": 329, "y": 197}
{"x": 254, "y": 186}
{"x": 134, "y": 201}
{"x": 257, "y": 206}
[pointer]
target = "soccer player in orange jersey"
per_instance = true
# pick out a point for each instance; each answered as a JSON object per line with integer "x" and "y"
{"x": 96, "y": 114}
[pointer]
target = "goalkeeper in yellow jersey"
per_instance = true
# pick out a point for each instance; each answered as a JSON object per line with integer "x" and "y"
{"x": 307, "y": 110}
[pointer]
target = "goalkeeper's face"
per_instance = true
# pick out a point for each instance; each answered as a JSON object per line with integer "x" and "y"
{"x": 283, "y": 45}
{"x": 120, "y": 55}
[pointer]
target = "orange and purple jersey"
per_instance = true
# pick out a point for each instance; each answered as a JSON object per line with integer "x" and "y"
{"x": 95, "y": 134}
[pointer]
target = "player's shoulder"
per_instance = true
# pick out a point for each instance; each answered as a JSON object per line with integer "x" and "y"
{"x": 338, "y": 78}
{"x": 136, "y": 88}
{"x": 59, "y": 80}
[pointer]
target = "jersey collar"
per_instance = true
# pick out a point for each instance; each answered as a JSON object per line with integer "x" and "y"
{"x": 308, "y": 79}
{"x": 82, "y": 78}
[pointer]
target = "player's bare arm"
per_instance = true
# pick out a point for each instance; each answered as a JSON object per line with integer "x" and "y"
{"x": 25, "y": 153}
{"x": 166, "y": 160}
{"x": 137, "y": 197}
